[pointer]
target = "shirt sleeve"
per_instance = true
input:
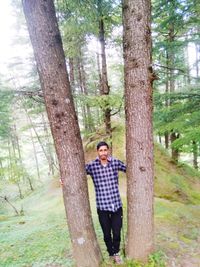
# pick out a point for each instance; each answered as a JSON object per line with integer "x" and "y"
{"x": 87, "y": 168}
{"x": 121, "y": 166}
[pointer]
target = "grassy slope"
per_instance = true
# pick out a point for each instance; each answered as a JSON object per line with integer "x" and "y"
{"x": 40, "y": 237}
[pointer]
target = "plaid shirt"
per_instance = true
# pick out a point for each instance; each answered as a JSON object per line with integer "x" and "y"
{"x": 106, "y": 185}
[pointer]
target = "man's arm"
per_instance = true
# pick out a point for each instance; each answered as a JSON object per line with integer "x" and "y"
{"x": 121, "y": 166}
{"x": 87, "y": 169}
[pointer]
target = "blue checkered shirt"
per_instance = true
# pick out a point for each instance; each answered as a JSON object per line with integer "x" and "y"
{"x": 106, "y": 184}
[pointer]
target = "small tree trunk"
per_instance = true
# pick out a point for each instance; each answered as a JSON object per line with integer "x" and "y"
{"x": 20, "y": 191}
{"x": 17, "y": 144}
{"x": 71, "y": 73}
{"x": 85, "y": 90}
{"x": 175, "y": 151}
{"x": 160, "y": 139}
{"x": 99, "y": 74}
{"x": 72, "y": 82}
{"x": 195, "y": 154}
{"x": 49, "y": 55}
{"x": 139, "y": 133}
{"x": 6, "y": 199}
{"x": 48, "y": 147}
{"x": 30, "y": 183}
{"x": 166, "y": 135}
{"x": 83, "y": 107}
{"x": 197, "y": 59}
{"x": 166, "y": 140}
{"x": 35, "y": 156}
{"x": 105, "y": 88}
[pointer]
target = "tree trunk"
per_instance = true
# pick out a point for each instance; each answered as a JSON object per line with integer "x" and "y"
{"x": 105, "y": 88}
{"x": 6, "y": 199}
{"x": 20, "y": 190}
{"x": 171, "y": 64}
{"x": 85, "y": 90}
{"x": 35, "y": 156}
{"x": 139, "y": 134}
{"x": 197, "y": 59}
{"x": 72, "y": 82}
{"x": 166, "y": 135}
{"x": 48, "y": 147}
{"x": 99, "y": 74}
{"x": 30, "y": 183}
{"x": 71, "y": 73}
{"x": 195, "y": 154}
{"x": 49, "y": 55}
{"x": 175, "y": 151}
{"x": 84, "y": 115}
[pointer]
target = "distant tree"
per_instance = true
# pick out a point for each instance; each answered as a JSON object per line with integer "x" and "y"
{"x": 96, "y": 19}
{"x": 176, "y": 25}
{"x": 49, "y": 55}
{"x": 139, "y": 137}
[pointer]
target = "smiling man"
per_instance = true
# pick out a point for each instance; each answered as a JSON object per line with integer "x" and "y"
{"x": 104, "y": 172}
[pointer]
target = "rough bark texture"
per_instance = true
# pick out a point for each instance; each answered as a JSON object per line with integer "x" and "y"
{"x": 49, "y": 55}
{"x": 139, "y": 136}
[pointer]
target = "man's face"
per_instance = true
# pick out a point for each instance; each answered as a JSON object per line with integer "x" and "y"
{"x": 103, "y": 152}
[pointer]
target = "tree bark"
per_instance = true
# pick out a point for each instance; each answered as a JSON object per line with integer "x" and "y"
{"x": 49, "y": 55}
{"x": 195, "y": 154}
{"x": 104, "y": 87}
{"x": 139, "y": 136}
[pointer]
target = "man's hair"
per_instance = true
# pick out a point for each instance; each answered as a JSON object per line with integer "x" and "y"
{"x": 102, "y": 143}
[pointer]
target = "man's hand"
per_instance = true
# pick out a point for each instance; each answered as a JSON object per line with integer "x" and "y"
{"x": 61, "y": 181}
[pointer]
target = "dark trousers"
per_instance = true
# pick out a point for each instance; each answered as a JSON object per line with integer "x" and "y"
{"x": 111, "y": 224}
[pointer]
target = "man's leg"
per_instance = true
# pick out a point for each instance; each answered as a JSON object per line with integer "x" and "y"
{"x": 116, "y": 219}
{"x": 105, "y": 222}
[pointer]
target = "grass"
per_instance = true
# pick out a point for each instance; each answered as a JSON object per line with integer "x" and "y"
{"x": 41, "y": 238}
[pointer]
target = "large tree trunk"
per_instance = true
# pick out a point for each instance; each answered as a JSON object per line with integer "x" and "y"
{"x": 139, "y": 136}
{"x": 49, "y": 55}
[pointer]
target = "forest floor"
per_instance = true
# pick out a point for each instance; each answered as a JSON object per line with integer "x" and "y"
{"x": 40, "y": 237}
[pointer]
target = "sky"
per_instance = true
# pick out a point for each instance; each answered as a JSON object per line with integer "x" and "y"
{"x": 6, "y": 31}
{"x": 9, "y": 48}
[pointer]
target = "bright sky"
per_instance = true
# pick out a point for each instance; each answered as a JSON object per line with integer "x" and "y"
{"x": 9, "y": 48}
{"x": 6, "y": 31}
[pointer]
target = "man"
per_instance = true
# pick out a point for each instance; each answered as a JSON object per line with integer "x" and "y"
{"x": 104, "y": 172}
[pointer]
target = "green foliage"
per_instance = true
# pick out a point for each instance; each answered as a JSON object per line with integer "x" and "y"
{"x": 5, "y": 113}
{"x": 112, "y": 101}
{"x": 182, "y": 116}
{"x": 41, "y": 237}
{"x": 156, "y": 259}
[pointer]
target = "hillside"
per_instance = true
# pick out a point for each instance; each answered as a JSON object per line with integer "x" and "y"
{"x": 40, "y": 237}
